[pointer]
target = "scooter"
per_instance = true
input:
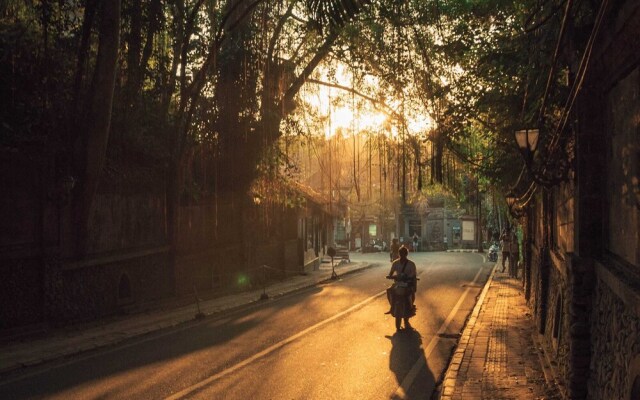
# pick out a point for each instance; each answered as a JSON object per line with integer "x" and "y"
{"x": 493, "y": 252}
{"x": 400, "y": 296}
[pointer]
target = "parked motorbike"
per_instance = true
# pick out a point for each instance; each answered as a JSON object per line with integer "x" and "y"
{"x": 401, "y": 299}
{"x": 380, "y": 245}
{"x": 493, "y": 252}
{"x": 374, "y": 245}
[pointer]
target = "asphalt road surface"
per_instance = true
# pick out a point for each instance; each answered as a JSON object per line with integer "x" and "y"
{"x": 329, "y": 342}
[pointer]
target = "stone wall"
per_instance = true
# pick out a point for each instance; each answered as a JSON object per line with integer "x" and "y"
{"x": 562, "y": 315}
{"x": 623, "y": 193}
{"x": 615, "y": 332}
{"x": 94, "y": 289}
{"x": 223, "y": 243}
{"x": 578, "y": 308}
{"x": 209, "y": 248}
{"x": 213, "y": 268}
{"x": 270, "y": 255}
{"x": 40, "y": 282}
{"x": 22, "y": 237}
{"x": 563, "y": 214}
{"x": 611, "y": 214}
{"x": 124, "y": 222}
{"x": 291, "y": 254}
{"x": 21, "y": 300}
{"x": 535, "y": 264}
{"x": 212, "y": 220}
{"x": 127, "y": 260}
{"x": 556, "y": 334}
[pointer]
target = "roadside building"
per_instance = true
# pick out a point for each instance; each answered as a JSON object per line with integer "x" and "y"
{"x": 582, "y": 233}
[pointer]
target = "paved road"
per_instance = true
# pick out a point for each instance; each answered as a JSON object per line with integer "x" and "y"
{"x": 329, "y": 342}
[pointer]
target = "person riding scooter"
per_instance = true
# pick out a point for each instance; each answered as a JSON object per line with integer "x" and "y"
{"x": 493, "y": 252}
{"x": 401, "y": 294}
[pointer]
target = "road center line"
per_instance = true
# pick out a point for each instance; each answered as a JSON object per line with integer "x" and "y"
{"x": 269, "y": 349}
{"x": 402, "y": 390}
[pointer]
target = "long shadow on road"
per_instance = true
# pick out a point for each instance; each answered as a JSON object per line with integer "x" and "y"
{"x": 128, "y": 370}
{"x": 160, "y": 365}
{"x": 409, "y": 364}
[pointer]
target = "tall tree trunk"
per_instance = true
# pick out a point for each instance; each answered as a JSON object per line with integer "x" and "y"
{"x": 81, "y": 65}
{"x": 438, "y": 153}
{"x": 92, "y": 147}
{"x": 134, "y": 42}
{"x": 169, "y": 84}
{"x": 155, "y": 10}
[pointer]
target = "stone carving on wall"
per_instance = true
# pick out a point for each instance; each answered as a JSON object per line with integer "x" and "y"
{"x": 615, "y": 344}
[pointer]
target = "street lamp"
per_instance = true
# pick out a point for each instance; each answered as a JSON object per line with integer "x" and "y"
{"x": 553, "y": 169}
{"x": 527, "y": 140}
{"x": 514, "y": 210}
{"x": 480, "y": 248}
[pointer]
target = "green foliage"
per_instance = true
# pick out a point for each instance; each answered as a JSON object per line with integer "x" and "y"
{"x": 35, "y": 77}
{"x": 435, "y": 196}
{"x": 477, "y": 67}
{"x": 333, "y": 12}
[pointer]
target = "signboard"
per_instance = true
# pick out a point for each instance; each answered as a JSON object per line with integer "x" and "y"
{"x": 468, "y": 230}
{"x": 373, "y": 229}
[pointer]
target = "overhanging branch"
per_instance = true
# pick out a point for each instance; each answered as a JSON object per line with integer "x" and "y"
{"x": 386, "y": 109}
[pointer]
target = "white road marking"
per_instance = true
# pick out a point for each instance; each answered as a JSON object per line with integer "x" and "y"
{"x": 401, "y": 392}
{"x": 270, "y": 349}
{"x": 404, "y": 386}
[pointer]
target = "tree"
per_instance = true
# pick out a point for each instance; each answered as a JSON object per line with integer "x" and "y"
{"x": 91, "y": 148}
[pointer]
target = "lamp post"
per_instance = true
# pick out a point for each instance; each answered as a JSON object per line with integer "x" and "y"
{"x": 511, "y": 200}
{"x": 480, "y": 248}
{"x": 551, "y": 171}
{"x": 515, "y": 211}
{"x": 527, "y": 140}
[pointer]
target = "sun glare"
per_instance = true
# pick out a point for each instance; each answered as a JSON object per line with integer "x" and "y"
{"x": 420, "y": 125}
{"x": 335, "y": 106}
{"x": 343, "y": 119}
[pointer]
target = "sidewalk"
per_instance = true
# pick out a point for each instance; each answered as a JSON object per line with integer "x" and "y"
{"x": 496, "y": 357}
{"x": 78, "y": 339}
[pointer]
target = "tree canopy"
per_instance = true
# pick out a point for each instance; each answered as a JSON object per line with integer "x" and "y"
{"x": 199, "y": 96}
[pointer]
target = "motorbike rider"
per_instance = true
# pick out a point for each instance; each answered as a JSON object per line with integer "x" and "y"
{"x": 493, "y": 252}
{"x": 400, "y": 267}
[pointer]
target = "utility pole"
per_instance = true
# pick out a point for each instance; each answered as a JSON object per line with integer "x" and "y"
{"x": 445, "y": 239}
{"x": 480, "y": 249}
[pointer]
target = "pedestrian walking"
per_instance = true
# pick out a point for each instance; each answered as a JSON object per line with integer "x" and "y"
{"x": 514, "y": 255}
{"x": 395, "y": 247}
{"x": 505, "y": 245}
